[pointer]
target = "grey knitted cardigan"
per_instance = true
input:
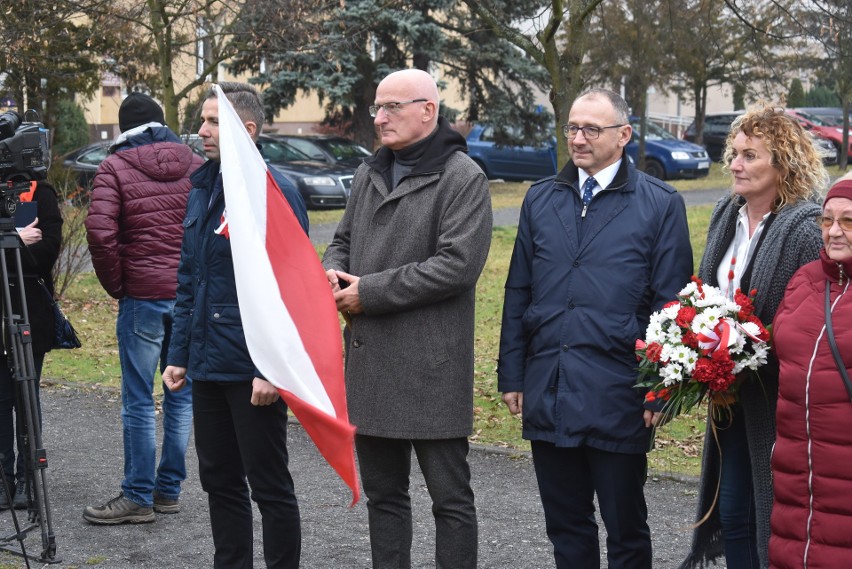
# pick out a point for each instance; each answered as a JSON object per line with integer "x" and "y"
{"x": 791, "y": 240}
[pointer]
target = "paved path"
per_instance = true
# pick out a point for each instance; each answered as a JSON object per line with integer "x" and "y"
{"x": 82, "y": 434}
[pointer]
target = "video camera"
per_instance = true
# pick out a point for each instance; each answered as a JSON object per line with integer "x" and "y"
{"x": 24, "y": 156}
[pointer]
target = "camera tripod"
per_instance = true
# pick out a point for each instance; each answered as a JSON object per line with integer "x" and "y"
{"x": 19, "y": 355}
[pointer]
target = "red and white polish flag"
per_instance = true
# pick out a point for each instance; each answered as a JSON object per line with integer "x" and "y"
{"x": 288, "y": 312}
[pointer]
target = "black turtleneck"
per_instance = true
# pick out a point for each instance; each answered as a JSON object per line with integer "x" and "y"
{"x": 405, "y": 159}
{"x": 424, "y": 156}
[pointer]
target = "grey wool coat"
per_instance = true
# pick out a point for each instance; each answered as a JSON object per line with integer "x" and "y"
{"x": 793, "y": 239}
{"x": 418, "y": 251}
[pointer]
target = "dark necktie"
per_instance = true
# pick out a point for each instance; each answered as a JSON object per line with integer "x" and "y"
{"x": 587, "y": 190}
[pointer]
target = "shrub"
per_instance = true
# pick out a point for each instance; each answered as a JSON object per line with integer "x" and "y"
{"x": 70, "y": 130}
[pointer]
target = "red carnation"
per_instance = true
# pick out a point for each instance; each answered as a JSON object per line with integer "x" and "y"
{"x": 722, "y": 355}
{"x": 653, "y": 351}
{"x": 746, "y": 307}
{"x": 722, "y": 382}
{"x": 685, "y": 316}
{"x": 672, "y": 303}
{"x": 704, "y": 371}
{"x": 690, "y": 339}
{"x": 699, "y": 284}
{"x": 664, "y": 393}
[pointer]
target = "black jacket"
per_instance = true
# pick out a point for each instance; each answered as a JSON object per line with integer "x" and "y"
{"x": 37, "y": 261}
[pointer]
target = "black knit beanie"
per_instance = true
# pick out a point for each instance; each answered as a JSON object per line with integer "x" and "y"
{"x": 138, "y": 109}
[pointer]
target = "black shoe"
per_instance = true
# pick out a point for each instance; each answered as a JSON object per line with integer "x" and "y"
{"x": 4, "y": 501}
{"x": 19, "y": 502}
{"x": 119, "y": 510}
{"x": 163, "y": 505}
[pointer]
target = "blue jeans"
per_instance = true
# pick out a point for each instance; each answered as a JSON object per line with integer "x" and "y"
{"x": 736, "y": 494}
{"x": 143, "y": 329}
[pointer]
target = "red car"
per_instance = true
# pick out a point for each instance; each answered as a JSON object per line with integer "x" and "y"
{"x": 820, "y": 128}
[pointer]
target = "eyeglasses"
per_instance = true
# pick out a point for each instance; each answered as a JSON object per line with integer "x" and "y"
{"x": 845, "y": 223}
{"x": 393, "y": 107}
{"x": 590, "y": 132}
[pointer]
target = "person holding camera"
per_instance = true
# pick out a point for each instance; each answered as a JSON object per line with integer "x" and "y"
{"x": 41, "y": 241}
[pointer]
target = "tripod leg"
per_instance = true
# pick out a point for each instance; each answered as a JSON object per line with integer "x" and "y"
{"x": 19, "y": 352}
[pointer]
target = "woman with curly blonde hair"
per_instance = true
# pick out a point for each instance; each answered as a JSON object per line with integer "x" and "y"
{"x": 759, "y": 235}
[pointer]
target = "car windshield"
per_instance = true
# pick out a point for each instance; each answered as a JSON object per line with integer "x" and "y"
{"x": 832, "y": 120}
{"x": 278, "y": 151}
{"x": 94, "y": 156}
{"x": 339, "y": 148}
{"x": 809, "y": 117}
{"x": 653, "y": 132}
{"x": 343, "y": 149}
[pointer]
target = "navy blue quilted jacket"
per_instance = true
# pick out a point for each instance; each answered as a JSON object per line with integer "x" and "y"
{"x": 207, "y": 337}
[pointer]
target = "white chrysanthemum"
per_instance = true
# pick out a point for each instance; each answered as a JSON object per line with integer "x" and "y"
{"x": 689, "y": 290}
{"x": 666, "y": 354}
{"x": 674, "y": 335}
{"x": 654, "y": 332}
{"x": 751, "y": 328}
{"x": 686, "y": 357}
{"x": 711, "y": 296}
{"x": 706, "y": 320}
{"x": 670, "y": 312}
{"x": 671, "y": 374}
{"x": 731, "y": 308}
{"x": 761, "y": 351}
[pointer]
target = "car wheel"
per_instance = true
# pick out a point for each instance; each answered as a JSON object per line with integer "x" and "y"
{"x": 482, "y": 167}
{"x": 655, "y": 169}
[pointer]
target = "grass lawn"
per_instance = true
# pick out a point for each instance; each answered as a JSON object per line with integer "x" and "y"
{"x": 678, "y": 450}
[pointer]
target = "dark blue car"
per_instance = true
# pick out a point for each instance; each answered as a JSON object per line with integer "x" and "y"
{"x": 666, "y": 157}
{"x": 517, "y": 163}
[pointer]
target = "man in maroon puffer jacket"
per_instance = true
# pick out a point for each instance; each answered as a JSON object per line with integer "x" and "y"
{"x": 134, "y": 229}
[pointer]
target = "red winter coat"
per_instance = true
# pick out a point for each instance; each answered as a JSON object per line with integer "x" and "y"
{"x": 135, "y": 221}
{"x": 812, "y": 461}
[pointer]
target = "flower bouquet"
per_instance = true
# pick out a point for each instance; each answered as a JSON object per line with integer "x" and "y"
{"x": 696, "y": 345}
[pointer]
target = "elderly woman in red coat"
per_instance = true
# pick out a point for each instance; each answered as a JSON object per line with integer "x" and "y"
{"x": 812, "y": 462}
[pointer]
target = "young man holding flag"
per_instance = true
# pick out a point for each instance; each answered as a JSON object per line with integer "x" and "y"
{"x": 240, "y": 420}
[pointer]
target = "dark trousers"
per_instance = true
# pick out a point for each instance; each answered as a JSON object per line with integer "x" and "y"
{"x": 736, "y": 493}
{"x": 568, "y": 480}
{"x": 385, "y": 473}
{"x": 10, "y": 430}
{"x": 236, "y": 440}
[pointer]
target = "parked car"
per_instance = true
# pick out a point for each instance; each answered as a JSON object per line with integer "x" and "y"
{"x": 329, "y": 149}
{"x": 666, "y": 156}
{"x": 718, "y": 125}
{"x": 84, "y": 163}
{"x": 498, "y": 160}
{"x": 821, "y": 129}
{"x": 322, "y": 185}
{"x": 832, "y": 116}
{"x": 716, "y": 129}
